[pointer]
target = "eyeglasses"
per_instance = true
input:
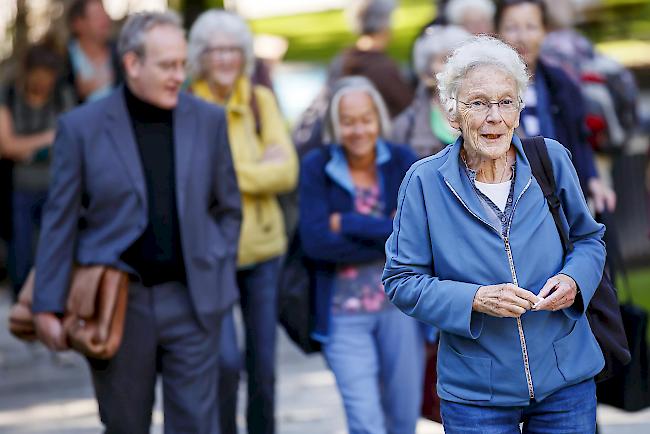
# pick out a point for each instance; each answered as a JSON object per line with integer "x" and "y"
{"x": 223, "y": 50}
{"x": 506, "y": 106}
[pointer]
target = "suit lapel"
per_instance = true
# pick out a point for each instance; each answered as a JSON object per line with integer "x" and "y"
{"x": 184, "y": 131}
{"x": 120, "y": 130}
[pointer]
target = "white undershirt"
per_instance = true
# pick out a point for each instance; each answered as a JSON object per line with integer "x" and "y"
{"x": 498, "y": 193}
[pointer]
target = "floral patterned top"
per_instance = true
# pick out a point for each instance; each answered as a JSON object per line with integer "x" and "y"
{"x": 358, "y": 287}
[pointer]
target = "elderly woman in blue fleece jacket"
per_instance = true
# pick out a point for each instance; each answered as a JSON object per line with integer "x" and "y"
{"x": 348, "y": 196}
{"x": 475, "y": 252}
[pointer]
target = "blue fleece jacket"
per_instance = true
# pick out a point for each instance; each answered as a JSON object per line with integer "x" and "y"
{"x": 443, "y": 249}
{"x": 325, "y": 188}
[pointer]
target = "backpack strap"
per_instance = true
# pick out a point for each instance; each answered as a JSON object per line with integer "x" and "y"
{"x": 540, "y": 164}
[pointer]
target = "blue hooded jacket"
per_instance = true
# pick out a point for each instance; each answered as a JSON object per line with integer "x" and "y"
{"x": 443, "y": 249}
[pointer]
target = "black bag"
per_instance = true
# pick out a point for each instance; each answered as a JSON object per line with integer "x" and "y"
{"x": 630, "y": 389}
{"x": 296, "y": 299}
{"x": 604, "y": 311}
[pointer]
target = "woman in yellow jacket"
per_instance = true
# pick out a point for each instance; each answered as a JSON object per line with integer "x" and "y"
{"x": 220, "y": 59}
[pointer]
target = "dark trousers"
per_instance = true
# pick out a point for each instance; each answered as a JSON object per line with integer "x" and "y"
{"x": 27, "y": 209}
{"x": 258, "y": 292}
{"x": 161, "y": 335}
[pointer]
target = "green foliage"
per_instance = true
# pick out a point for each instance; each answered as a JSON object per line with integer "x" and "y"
{"x": 639, "y": 286}
{"x": 319, "y": 36}
{"x": 619, "y": 19}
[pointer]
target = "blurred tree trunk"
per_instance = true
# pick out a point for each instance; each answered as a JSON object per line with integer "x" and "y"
{"x": 20, "y": 42}
{"x": 59, "y": 25}
{"x": 191, "y": 9}
{"x": 22, "y": 34}
{"x": 20, "y": 29}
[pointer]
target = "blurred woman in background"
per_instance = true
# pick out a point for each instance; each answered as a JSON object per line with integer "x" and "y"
{"x": 348, "y": 193}
{"x": 29, "y": 108}
{"x": 371, "y": 20}
{"x": 475, "y": 16}
{"x": 423, "y": 125}
{"x": 553, "y": 104}
{"x": 220, "y": 57}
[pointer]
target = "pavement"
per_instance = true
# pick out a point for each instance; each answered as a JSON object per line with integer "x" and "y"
{"x": 41, "y": 393}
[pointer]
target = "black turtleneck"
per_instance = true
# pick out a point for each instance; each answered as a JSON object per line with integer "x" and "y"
{"x": 157, "y": 255}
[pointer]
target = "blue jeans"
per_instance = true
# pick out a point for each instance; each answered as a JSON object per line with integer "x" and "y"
{"x": 378, "y": 362}
{"x": 27, "y": 208}
{"x": 258, "y": 288}
{"x": 569, "y": 410}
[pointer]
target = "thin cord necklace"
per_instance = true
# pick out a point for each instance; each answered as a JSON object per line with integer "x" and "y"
{"x": 503, "y": 172}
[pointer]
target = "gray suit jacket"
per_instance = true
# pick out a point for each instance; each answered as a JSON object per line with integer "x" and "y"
{"x": 97, "y": 203}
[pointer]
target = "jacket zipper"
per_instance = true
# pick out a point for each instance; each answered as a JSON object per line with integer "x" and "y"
{"x": 515, "y": 281}
{"x": 513, "y": 272}
{"x": 520, "y": 327}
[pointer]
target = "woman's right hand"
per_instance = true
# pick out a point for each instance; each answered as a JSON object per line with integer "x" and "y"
{"x": 504, "y": 300}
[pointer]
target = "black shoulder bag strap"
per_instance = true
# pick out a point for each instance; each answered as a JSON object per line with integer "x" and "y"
{"x": 540, "y": 164}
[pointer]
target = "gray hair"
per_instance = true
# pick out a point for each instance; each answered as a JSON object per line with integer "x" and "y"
{"x": 456, "y": 9}
{"x": 370, "y": 16}
{"x": 342, "y": 87}
{"x": 131, "y": 37}
{"x": 435, "y": 41}
{"x": 478, "y": 51}
{"x": 206, "y": 27}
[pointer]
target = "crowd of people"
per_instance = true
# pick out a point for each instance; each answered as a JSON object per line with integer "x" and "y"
{"x": 417, "y": 207}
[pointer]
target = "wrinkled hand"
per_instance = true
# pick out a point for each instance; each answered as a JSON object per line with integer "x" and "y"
{"x": 603, "y": 197}
{"x": 335, "y": 222}
{"x": 503, "y": 300}
{"x": 563, "y": 291}
{"x": 49, "y": 329}
{"x": 274, "y": 153}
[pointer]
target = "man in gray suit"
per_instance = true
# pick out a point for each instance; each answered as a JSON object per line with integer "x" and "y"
{"x": 143, "y": 181}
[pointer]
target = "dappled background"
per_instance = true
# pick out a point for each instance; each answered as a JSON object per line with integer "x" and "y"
{"x": 42, "y": 393}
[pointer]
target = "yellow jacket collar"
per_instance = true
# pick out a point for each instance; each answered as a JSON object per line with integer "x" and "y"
{"x": 239, "y": 99}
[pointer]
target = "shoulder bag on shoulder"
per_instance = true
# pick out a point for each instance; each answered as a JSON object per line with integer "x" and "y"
{"x": 604, "y": 310}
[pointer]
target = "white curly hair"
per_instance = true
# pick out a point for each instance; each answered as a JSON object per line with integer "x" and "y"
{"x": 478, "y": 51}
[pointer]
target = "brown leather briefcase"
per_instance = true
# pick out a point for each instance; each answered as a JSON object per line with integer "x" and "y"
{"x": 95, "y": 311}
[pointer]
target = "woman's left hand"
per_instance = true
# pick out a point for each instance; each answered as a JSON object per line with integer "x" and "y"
{"x": 563, "y": 291}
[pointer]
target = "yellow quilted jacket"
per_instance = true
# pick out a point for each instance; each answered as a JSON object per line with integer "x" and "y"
{"x": 262, "y": 231}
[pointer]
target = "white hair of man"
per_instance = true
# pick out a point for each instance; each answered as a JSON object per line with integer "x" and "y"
{"x": 342, "y": 87}
{"x": 131, "y": 38}
{"x": 478, "y": 51}
{"x": 456, "y": 9}
{"x": 213, "y": 23}
{"x": 436, "y": 41}
{"x": 368, "y": 17}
